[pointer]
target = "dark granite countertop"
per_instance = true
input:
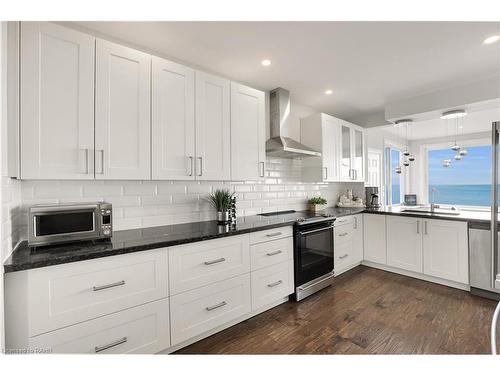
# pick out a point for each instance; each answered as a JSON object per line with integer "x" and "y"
{"x": 133, "y": 240}
{"x": 467, "y": 216}
{"x": 129, "y": 241}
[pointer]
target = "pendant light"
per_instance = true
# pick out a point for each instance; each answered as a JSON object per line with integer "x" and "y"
{"x": 406, "y": 153}
{"x": 455, "y": 116}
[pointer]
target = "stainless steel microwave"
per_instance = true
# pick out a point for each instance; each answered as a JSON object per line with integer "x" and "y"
{"x": 52, "y": 224}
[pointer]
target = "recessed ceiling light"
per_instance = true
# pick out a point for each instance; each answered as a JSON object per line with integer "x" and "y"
{"x": 453, "y": 114}
{"x": 266, "y": 62}
{"x": 492, "y": 39}
{"x": 328, "y": 92}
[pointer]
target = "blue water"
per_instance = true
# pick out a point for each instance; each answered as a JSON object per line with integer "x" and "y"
{"x": 469, "y": 195}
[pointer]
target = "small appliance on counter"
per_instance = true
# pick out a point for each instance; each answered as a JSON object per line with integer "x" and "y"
{"x": 372, "y": 197}
{"x": 59, "y": 223}
{"x": 410, "y": 199}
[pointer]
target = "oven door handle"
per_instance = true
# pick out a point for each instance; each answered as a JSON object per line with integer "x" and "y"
{"x": 315, "y": 230}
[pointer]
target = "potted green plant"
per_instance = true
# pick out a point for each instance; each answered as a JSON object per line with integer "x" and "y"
{"x": 317, "y": 204}
{"x": 221, "y": 200}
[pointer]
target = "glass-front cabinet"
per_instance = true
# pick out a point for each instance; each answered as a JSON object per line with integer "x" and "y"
{"x": 352, "y": 163}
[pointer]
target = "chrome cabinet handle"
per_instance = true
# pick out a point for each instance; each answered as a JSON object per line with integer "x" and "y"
{"x": 98, "y": 349}
{"x": 102, "y": 161}
{"x": 190, "y": 165}
{"x": 107, "y": 286}
{"x": 343, "y": 234}
{"x": 274, "y": 253}
{"x": 418, "y": 226}
{"x": 276, "y": 283}
{"x": 355, "y": 222}
{"x": 262, "y": 169}
{"x": 87, "y": 162}
{"x": 210, "y": 308}
{"x": 343, "y": 256}
{"x": 200, "y": 170}
{"x": 215, "y": 261}
{"x": 326, "y": 173}
{"x": 274, "y": 234}
{"x": 425, "y": 227}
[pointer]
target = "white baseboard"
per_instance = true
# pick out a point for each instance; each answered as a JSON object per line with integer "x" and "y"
{"x": 416, "y": 275}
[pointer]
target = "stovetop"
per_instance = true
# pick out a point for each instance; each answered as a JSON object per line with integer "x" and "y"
{"x": 303, "y": 217}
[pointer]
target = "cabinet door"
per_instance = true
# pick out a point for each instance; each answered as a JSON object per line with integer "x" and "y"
{"x": 57, "y": 102}
{"x": 446, "y": 250}
{"x": 374, "y": 238}
{"x": 122, "y": 126}
{"x": 345, "y": 152}
{"x": 173, "y": 132}
{"x": 247, "y": 133}
{"x": 358, "y": 163}
{"x": 330, "y": 149}
{"x": 213, "y": 130}
{"x": 357, "y": 239}
{"x": 404, "y": 243}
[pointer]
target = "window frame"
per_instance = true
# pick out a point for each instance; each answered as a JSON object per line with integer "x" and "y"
{"x": 477, "y": 142}
{"x": 404, "y": 179}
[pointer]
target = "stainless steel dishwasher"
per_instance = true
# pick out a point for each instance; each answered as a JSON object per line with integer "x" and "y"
{"x": 481, "y": 261}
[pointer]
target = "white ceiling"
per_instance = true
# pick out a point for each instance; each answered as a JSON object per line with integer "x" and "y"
{"x": 474, "y": 122}
{"x": 366, "y": 64}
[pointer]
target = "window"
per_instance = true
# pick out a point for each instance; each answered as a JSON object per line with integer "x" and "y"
{"x": 393, "y": 181}
{"x": 465, "y": 182}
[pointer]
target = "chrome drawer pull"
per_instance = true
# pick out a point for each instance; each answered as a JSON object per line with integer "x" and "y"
{"x": 275, "y": 283}
{"x": 98, "y": 349}
{"x": 274, "y": 253}
{"x": 223, "y": 303}
{"x": 274, "y": 234}
{"x": 343, "y": 234}
{"x": 215, "y": 261}
{"x": 101, "y": 287}
{"x": 343, "y": 256}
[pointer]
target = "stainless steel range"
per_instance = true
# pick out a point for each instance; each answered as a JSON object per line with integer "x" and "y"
{"x": 313, "y": 252}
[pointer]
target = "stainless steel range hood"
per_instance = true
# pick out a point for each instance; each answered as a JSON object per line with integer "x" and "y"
{"x": 278, "y": 145}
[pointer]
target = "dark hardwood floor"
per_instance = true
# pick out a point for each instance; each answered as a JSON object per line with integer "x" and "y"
{"x": 367, "y": 311}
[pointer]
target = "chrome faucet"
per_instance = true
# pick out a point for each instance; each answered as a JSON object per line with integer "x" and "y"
{"x": 433, "y": 199}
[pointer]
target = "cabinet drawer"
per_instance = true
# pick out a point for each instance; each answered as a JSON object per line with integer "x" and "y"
{"x": 271, "y": 283}
{"x": 343, "y": 257}
{"x": 268, "y": 253}
{"x": 66, "y": 294}
{"x": 343, "y": 234}
{"x": 344, "y": 220}
{"x": 270, "y": 234}
{"x": 205, "y": 308}
{"x": 195, "y": 265}
{"x": 143, "y": 329}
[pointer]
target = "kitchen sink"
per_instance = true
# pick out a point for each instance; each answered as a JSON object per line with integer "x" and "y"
{"x": 438, "y": 211}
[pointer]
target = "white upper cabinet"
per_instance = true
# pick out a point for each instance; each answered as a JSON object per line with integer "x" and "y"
{"x": 247, "y": 133}
{"x": 321, "y": 132}
{"x": 213, "y": 128}
{"x": 404, "y": 243}
{"x": 352, "y": 155}
{"x": 57, "y": 102}
{"x": 122, "y": 113}
{"x": 173, "y": 127}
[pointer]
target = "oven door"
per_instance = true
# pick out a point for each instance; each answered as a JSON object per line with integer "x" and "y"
{"x": 50, "y": 225}
{"x": 313, "y": 253}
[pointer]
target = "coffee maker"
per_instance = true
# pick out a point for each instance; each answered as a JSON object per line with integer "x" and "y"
{"x": 372, "y": 197}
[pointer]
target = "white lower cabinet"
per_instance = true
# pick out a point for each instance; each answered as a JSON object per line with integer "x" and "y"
{"x": 143, "y": 329}
{"x": 404, "y": 243}
{"x": 200, "y": 310}
{"x": 348, "y": 243}
{"x": 272, "y": 283}
{"x": 374, "y": 238}
{"x": 446, "y": 251}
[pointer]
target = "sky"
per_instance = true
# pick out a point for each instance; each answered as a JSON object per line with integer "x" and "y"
{"x": 473, "y": 169}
